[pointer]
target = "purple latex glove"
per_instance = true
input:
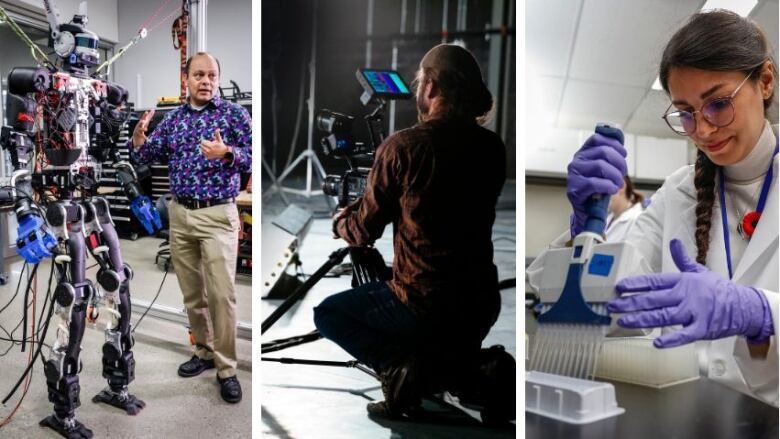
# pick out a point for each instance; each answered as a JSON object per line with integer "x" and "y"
{"x": 597, "y": 168}
{"x": 708, "y": 305}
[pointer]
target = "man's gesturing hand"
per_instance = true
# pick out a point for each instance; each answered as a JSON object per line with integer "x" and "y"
{"x": 214, "y": 149}
{"x": 139, "y": 133}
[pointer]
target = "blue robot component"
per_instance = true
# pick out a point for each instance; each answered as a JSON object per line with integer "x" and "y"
{"x": 145, "y": 211}
{"x": 34, "y": 242}
{"x": 53, "y": 113}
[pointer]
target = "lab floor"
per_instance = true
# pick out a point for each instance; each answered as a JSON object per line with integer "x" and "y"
{"x": 175, "y": 407}
{"x": 313, "y": 402}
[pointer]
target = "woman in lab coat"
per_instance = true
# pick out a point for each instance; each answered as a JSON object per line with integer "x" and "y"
{"x": 624, "y": 208}
{"x": 720, "y": 76}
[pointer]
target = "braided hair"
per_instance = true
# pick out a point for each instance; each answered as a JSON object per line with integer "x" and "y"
{"x": 716, "y": 40}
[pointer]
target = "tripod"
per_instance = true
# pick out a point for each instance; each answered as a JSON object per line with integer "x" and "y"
{"x": 367, "y": 266}
{"x": 490, "y": 385}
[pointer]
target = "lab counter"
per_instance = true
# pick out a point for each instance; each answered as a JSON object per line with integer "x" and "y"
{"x": 697, "y": 409}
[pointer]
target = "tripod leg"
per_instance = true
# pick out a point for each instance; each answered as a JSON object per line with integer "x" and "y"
{"x": 334, "y": 259}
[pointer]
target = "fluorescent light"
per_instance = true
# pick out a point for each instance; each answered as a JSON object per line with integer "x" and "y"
{"x": 657, "y": 84}
{"x": 741, "y": 7}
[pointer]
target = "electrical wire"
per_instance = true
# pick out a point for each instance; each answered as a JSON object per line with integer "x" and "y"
{"x": 16, "y": 293}
{"x": 37, "y": 351}
{"x": 26, "y": 376}
{"x": 35, "y": 51}
{"x": 17, "y": 290}
{"x": 167, "y": 264}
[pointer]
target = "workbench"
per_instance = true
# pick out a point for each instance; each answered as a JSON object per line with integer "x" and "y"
{"x": 696, "y": 409}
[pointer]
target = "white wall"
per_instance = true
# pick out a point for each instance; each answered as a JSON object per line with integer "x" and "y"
{"x": 102, "y": 15}
{"x": 546, "y": 216}
{"x": 156, "y": 62}
{"x": 549, "y": 152}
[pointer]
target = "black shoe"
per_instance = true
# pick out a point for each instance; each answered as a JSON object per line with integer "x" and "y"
{"x": 195, "y": 366}
{"x": 230, "y": 389}
{"x": 381, "y": 410}
{"x": 401, "y": 388}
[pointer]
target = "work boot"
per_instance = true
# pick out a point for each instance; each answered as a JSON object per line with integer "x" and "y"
{"x": 401, "y": 388}
{"x": 195, "y": 366}
{"x": 230, "y": 389}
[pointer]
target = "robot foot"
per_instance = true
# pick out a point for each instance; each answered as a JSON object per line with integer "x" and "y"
{"x": 69, "y": 428}
{"x": 122, "y": 400}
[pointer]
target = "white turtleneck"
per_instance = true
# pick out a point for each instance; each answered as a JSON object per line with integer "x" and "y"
{"x": 743, "y": 187}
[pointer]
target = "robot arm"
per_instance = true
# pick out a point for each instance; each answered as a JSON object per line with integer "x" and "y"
{"x": 53, "y": 16}
{"x": 140, "y": 204}
{"x": 111, "y": 118}
{"x": 34, "y": 240}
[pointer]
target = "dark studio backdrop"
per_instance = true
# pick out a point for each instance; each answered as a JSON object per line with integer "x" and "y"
{"x": 341, "y": 29}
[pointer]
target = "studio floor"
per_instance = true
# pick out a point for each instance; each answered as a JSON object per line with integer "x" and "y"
{"x": 313, "y": 402}
{"x": 175, "y": 407}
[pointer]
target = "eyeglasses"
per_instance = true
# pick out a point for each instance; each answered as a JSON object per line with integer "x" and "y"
{"x": 718, "y": 112}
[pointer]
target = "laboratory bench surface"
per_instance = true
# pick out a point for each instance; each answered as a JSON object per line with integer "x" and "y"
{"x": 697, "y": 409}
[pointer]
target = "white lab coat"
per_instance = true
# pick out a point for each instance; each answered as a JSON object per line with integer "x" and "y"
{"x": 618, "y": 229}
{"x": 670, "y": 216}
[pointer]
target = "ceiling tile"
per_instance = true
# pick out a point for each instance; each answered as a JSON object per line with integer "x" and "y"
{"x": 543, "y": 95}
{"x": 620, "y": 41}
{"x": 647, "y": 117}
{"x": 587, "y": 103}
{"x": 549, "y": 32}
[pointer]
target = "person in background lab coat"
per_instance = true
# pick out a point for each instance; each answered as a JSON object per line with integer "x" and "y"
{"x": 624, "y": 208}
{"x": 720, "y": 75}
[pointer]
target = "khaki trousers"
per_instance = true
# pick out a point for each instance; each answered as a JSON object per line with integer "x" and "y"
{"x": 204, "y": 248}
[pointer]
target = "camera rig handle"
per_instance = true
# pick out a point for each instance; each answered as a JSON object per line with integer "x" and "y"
{"x": 375, "y": 122}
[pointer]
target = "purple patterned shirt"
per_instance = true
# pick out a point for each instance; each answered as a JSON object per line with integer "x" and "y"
{"x": 177, "y": 137}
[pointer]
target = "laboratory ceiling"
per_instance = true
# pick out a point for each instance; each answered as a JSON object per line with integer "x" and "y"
{"x": 596, "y": 60}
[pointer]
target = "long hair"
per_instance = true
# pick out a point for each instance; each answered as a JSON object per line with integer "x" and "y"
{"x": 456, "y": 74}
{"x": 717, "y": 40}
{"x": 631, "y": 194}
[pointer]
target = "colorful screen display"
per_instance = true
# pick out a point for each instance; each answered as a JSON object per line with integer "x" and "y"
{"x": 386, "y": 82}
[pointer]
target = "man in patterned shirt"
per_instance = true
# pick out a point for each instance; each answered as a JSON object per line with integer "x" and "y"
{"x": 207, "y": 143}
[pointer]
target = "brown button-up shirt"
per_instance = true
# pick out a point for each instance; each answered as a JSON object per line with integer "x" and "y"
{"x": 437, "y": 183}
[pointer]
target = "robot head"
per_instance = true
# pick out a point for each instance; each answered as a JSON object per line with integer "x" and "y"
{"x": 74, "y": 43}
{"x": 86, "y": 51}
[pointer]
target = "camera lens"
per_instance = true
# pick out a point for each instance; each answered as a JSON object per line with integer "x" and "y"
{"x": 332, "y": 185}
{"x": 325, "y": 120}
{"x": 334, "y": 123}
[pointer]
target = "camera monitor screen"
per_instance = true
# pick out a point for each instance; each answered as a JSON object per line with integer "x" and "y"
{"x": 384, "y": 84}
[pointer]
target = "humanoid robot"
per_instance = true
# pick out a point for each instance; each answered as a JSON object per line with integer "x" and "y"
{"x": 52, "y": 113}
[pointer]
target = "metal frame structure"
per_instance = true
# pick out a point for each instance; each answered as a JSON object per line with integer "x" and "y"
{"x": 308, "y": 155}
{"x": 179, "y": 316}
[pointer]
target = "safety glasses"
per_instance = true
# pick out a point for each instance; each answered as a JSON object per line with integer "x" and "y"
{"x": 719, "y": 112}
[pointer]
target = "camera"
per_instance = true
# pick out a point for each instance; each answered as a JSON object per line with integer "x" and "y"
{"x": 379, "y": 86}
{"x": 348, "y": 187}
{"x": 339, "y": 140}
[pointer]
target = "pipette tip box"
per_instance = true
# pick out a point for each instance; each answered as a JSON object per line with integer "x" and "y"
{"x": 570, "y": 400}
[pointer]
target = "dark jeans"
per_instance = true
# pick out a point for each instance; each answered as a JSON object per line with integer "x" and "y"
{"x": 370, "y": 323}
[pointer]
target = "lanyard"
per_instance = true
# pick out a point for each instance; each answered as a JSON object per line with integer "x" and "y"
{"x": 759, "y": 208}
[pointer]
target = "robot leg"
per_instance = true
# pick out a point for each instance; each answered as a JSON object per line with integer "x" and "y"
{"x": 118, "y": 361}
{"x": 63, "y": 366}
